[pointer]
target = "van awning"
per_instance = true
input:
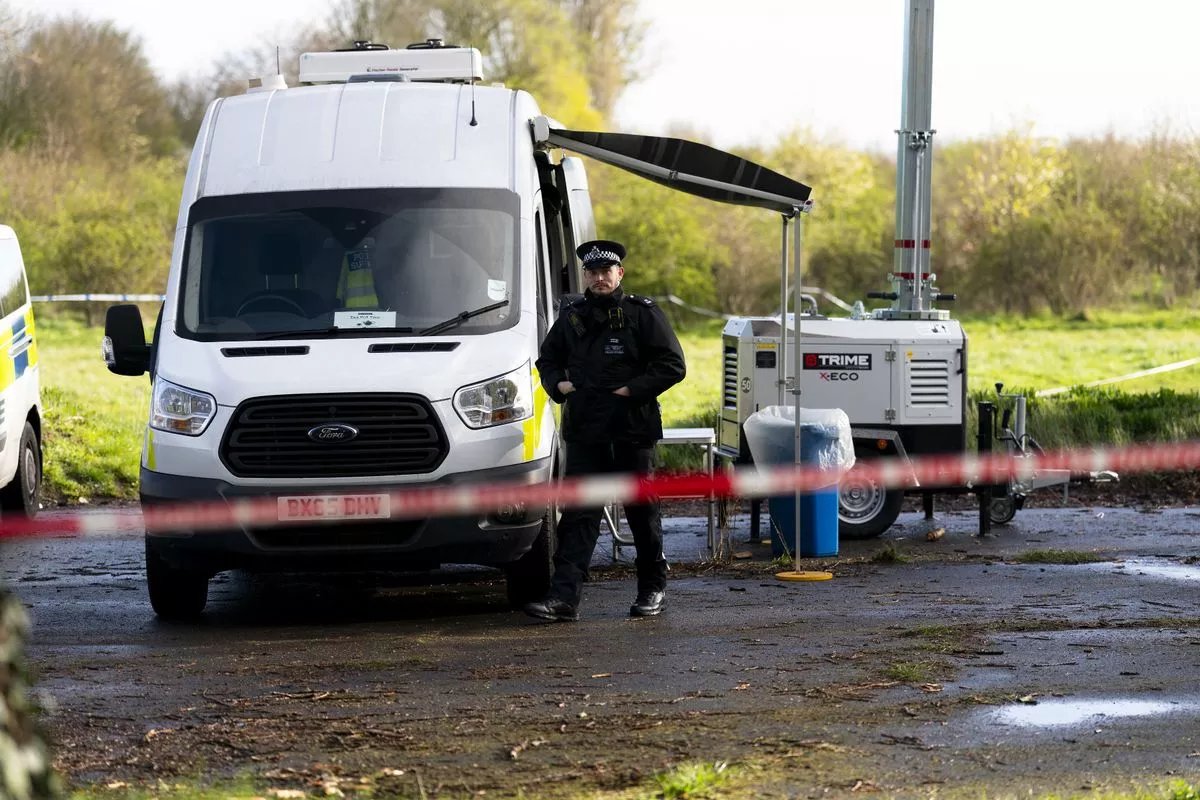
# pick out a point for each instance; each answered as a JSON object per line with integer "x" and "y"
{"x": 687, "y": 166}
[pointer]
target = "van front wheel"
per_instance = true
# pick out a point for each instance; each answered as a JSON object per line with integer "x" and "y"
{"x": 528, "y": 578}
{"x": 175, "y": 594}
{"x": 21, "y": 496}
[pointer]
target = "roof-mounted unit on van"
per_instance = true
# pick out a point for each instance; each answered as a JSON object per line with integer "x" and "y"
{"x": 266, "y": 83}
{"x": 430, "y": 60}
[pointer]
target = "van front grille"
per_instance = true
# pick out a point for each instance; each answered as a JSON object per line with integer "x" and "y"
{"x": 252, "y": 352}
{"x": 412, "y": 347}
{"x": 397, "y": 434}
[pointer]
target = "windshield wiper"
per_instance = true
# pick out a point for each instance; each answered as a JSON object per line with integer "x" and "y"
{"x": 316, "y": 333}
{"x": 459, "y": 319}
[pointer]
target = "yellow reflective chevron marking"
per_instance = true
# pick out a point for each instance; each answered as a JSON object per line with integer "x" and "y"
{"x": 8, "y": 367}
{"x": 13, "y": 366}
{"x": 32, "y": 351}
{"x": 533, "y": 426}
{"x": 150, "y": 460}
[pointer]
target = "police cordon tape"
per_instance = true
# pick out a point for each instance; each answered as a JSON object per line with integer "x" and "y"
{"x": 91, "y": 297}
{"x": 474, "y": 499}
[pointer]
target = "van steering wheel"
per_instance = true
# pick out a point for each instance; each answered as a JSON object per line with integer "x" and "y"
{"x": 277, "y": 298}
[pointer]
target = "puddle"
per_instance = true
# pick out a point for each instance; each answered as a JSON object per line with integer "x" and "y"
{"x": 1063, "y": 713}
{"x": 1155, "y": 569}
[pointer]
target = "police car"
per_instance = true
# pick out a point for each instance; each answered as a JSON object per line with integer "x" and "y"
{"x": 20, "y": 393}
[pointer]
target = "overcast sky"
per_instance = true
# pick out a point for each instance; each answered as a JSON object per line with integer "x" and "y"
{"x": 744, "y": 71}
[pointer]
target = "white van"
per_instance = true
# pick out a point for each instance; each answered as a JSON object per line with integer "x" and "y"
{"x": 362, "y": 273}
{"x": 20, "y": 389}
{"x": 363, "y": 270}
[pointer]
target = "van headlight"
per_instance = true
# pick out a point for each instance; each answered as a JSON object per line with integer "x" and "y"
{"x": 179, "y": 410}
{"x": 508, "y": 398}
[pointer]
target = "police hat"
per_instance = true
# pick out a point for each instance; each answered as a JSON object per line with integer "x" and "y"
{"x": 600, "y": 253}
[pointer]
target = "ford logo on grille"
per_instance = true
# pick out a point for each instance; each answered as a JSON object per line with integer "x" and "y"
{"x": 333, "y": 433}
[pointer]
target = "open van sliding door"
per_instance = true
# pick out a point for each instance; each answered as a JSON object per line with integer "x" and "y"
{"x": 578, "y": 220}
{"x": 567, "y": 210}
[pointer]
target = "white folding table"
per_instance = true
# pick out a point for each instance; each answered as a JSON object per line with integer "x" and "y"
{"x": 701, "y": 436}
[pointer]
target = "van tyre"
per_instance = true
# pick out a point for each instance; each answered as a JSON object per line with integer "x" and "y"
{"x": 866, "y": 509}
{"x": 176, "y": 595}
{"x": 21, "y": 496}
{"x": 527, "y": 579}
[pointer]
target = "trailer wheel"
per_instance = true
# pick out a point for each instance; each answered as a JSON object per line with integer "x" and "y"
{"x": 1002, "y": 510}
{"x": 866, "y": 509}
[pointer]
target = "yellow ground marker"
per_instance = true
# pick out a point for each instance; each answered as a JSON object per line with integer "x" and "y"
{"x": 803, "y": 575}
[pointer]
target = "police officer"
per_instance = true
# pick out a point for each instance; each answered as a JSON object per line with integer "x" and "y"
{"x": 607, "y": 359}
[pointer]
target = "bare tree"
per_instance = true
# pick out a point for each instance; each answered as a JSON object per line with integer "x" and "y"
{"x": 189, "y": 100}
{"x": 612, "y": 38}
{"x": 395, "y": 22}
{"x": 86, "y": 85}
{"x": 528, "y": 44}
{"x": 535, "y": 44}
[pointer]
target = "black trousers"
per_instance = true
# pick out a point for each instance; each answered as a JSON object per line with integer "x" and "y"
{"x": 579, "y": 528}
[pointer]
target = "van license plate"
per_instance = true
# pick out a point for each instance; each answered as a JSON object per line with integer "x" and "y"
{"x": 334, "y": 506}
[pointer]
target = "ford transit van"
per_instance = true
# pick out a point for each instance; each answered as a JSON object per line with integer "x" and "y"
{"x": 363, "y": 269}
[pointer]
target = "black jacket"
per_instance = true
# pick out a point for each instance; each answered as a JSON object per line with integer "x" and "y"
{"x": 601, "y": 344}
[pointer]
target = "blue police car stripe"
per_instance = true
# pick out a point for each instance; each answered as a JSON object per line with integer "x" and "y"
{"x": 21, "y": 361}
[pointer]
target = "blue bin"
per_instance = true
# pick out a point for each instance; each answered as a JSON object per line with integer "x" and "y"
{"x": 824, "y": 443}
{"x": 818, "y": 524}
{"x": 819, "y": 508}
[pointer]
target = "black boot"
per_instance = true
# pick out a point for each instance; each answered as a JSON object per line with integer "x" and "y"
{"x": 553, "y": 609}
{"x": 648, "y": 604}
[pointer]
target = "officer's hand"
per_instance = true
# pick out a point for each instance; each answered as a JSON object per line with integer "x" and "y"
{"x": 565, "y": 387}
{"x": 623, "y": 391}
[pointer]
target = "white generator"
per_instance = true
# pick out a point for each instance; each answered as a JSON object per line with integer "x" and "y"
{"x": 902, "y": 383}
{"x": 904, "y": 376}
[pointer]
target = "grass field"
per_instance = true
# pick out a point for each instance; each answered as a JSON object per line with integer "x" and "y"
{"x": 95, "y": 419}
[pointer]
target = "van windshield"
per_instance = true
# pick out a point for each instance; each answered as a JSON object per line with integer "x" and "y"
{"x": 332, "y": 261}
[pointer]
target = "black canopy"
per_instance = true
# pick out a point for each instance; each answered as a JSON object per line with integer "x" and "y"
{"x": 690, "y": 167}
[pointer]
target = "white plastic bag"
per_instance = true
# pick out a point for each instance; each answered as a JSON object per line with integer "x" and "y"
{"x": 825, "y": 440}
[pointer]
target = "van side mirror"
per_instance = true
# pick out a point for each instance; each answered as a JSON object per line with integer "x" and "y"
{"x": 124, "y": 348}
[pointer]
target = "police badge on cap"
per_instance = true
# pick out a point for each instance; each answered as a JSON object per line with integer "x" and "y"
{"x": 600, "y": 253}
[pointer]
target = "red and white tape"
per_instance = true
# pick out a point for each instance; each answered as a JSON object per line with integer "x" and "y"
{"x": 468, "y": 500}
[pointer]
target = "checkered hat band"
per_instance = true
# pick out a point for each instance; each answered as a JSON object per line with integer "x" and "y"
{"x": 601, "y": 255}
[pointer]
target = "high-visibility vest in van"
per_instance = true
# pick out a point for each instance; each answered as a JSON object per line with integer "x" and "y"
{"x": 356, "y": 284}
